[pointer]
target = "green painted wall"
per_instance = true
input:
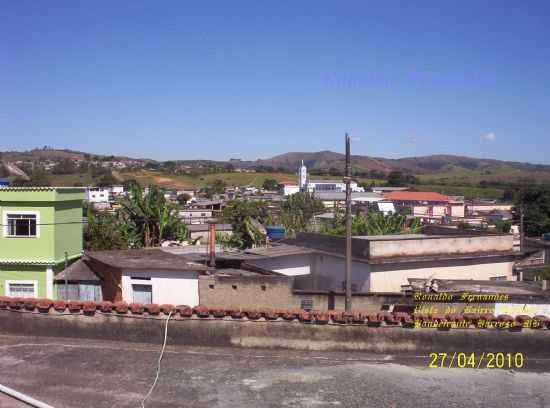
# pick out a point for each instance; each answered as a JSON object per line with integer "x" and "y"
{"x": 69, "y": 229}
{"x": 28, "y": 272}
{"x": 29, "y": 248}
{"x": 60, "y": 230}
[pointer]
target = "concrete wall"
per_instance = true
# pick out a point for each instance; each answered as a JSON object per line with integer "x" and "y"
{"x": 171, "y": 287}
{"x": 279, "y": 335}
{"x": 292, "y": 265}
{"x": 248, "y": 292}
{"x": 448, "y": 245}
{"x": 392, "y": 279}
{"x": 276, "y": 292}
{"x": 329, "y": 274}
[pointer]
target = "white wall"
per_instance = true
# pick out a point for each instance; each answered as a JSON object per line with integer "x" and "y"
{"x": 291, "y": 265}
{"x": 290, "y": 189}
{"x": 391, "y": 281}
{"x": 457, "y": 210}
{"x": 172, "y": 287}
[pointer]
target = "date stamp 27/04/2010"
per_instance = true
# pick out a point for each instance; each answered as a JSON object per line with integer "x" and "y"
{"x": 490, "y": 360}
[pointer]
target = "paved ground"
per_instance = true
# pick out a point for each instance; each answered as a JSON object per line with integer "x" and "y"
{"x": 73, "y": 373}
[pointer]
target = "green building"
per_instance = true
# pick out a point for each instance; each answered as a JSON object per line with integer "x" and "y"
{"x": 40, "y": 227}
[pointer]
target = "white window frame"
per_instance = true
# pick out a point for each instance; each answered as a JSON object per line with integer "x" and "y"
{"x": 141, "y": 282}
{"x": 5, "y": 214}
{"x": 7, "y": 284}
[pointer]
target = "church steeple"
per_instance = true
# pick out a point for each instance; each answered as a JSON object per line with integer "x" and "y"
{"x": 302, "y": 177}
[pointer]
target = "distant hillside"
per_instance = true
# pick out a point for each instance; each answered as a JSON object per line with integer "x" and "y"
{"x": 434, "y": 167}
{"x": 431, "y": 170}
{"x": 47, "y": 153}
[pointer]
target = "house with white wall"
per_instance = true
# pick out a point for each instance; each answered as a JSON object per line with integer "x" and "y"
{"x": 384, "y": 263}
{"x": 147, "y": 276}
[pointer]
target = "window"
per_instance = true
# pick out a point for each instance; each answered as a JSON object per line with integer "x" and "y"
{"x": 19, "y": 224}
{"x": 142, "y": 294}
{"x": 306, "y": 303}
{"x": 24, "y": 289}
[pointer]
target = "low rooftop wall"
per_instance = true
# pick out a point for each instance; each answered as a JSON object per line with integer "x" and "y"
{"x": 290, "y": 329}
{"x": 448, "y": 245}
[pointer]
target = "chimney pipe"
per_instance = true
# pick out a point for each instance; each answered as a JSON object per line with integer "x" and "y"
{"x": 212, "y": 243}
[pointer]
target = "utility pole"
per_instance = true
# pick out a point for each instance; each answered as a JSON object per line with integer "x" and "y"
{"x": 66, "y": 279}
{"x": 521, "y": 231}
{"x": 347, "y": 180}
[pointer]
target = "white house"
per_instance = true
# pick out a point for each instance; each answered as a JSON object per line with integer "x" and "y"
{"x": 384, "y": 263}
{"x": 147, "y": 276}
{"x": 98, "y": 195}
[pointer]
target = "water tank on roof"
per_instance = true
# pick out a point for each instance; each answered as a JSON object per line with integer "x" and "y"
{"x": 275, "y": 233}
{"x": 546, "y": 237}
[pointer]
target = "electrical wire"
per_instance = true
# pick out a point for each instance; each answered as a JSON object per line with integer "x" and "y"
{"x": 158, "y": 363}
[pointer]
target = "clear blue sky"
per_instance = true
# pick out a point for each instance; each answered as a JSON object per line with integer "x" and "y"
{"x": 251, "y": 79}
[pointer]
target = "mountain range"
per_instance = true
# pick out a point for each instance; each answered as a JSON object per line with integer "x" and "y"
{"x": 453, "y": 168}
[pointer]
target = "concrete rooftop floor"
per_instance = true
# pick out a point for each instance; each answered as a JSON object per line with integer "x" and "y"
{"x": 79, "y": 373}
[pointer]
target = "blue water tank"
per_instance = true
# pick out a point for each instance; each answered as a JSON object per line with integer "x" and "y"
{"x": 546, "y": 237}
{"x": 275, "y": 233}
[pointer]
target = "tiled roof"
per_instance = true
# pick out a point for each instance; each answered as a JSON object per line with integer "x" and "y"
{"x": 416, "y": 196}
{"x": 382, "y": 319}
{"x": 31, "y": 188}
{"x": 149, "y": 259}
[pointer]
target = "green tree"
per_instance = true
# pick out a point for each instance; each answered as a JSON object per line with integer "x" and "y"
{"x": 247, "y": 219}
{"x": 152, "y": 217}
{"x": 65, "y": 166}
{"x": 536, "y": 207}
{"x": 103, "y": 232}
{"x": 397, "y": 178}
{"x": 375, "y": 223}
{"x": 107, "y": 180}
{"x": 298, "y": 210}
{"x": 545, "y": 273}
{"x": 270, "y": 184}
{"x": 502, "y": 227}
{"x": 183, "y": 198}
{"x": 217, "y": 187}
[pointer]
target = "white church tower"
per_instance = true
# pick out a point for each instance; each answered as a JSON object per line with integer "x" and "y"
{"x": 302, "y": 177}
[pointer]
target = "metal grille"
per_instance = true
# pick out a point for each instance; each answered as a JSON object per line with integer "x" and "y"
{"x": 306, "y": 303}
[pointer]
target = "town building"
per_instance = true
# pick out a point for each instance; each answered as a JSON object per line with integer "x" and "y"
{"x": 306, "y": 185}
{"x": 99, "y": 195}
{"x": 333, "y": 199}
{"x": 426, "y": 205}
{"x": 147, "y": 276}
{"x": 387, "y": 189}
{"x": 478, "y": 207}
{"x": 41, "y": 229}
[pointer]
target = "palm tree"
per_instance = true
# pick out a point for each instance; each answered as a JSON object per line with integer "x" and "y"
{"x": 153, "y": 217}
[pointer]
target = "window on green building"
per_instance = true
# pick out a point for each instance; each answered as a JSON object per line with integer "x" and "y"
{"x": 21, "y": 225}
{"x": 22, "y": 289}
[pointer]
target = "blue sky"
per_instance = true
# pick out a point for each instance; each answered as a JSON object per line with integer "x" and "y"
{"x": 252, "y": 79}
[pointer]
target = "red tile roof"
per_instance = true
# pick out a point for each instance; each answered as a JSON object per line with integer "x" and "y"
{"x": 416, "y": 196}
